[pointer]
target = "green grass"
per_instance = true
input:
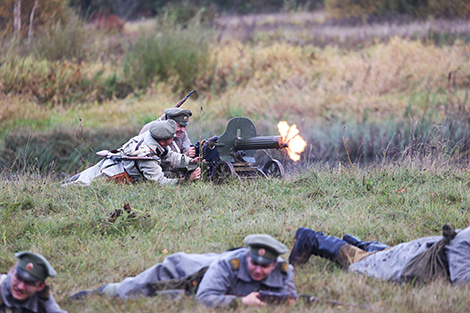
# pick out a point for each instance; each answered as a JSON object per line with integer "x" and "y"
{"x": 389, "y": 203}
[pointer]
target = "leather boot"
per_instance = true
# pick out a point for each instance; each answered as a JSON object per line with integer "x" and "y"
{"x": 310, "y": 242}
{"x": 326, "y": 246}
{"x": 368, "y": 246}
{"x": 302, "y": 249}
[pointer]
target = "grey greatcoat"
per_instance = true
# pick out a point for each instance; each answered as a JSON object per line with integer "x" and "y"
{"x": 221, "y": 284}
{"x": 389, "y": 264}
{"x": 141, "y": 145}
{"x": 35, "y": 303}
{"x": 180, "y": 144}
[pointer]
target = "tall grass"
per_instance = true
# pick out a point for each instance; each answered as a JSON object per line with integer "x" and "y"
{"x": 61, "y": 40}
{"x": 170, "y": 53}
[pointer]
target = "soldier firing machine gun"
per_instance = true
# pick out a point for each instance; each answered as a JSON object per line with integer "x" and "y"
{"x": 228, "y": 156}
{"x": 233, "y": 153}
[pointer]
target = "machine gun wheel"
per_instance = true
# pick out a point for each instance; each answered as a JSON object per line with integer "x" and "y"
{"x": 273, "y": 168}
{"x": 222, "y": 171}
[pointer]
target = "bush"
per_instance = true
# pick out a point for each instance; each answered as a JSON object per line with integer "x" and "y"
{"x": 62, "y": 40}
{"x": 173, "y": 54}
{"x": 62, "y": 149}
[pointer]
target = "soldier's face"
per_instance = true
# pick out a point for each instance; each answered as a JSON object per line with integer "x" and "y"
{"x": 22, "y": 289}
{"x": 165, "y": 143}
{"x": 179, "y": 130}
{"x": 257, "y": 271}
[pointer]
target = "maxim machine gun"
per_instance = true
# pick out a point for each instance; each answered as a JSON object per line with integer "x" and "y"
{"x": 233, "y": 153}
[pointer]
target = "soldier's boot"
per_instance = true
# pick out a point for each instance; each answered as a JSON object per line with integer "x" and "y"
{"x": 368, "y": 246}
{"x": 302, "y": 249}
{"x": 310, "y": 242}
{"x": 327, "y": 246}
{"x": 85, "y": 293}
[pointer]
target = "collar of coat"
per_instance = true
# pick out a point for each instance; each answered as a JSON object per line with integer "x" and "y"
{"x": 152, "y": 143}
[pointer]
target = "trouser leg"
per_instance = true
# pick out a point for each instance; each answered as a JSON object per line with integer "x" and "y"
{"x": 349, "y": 254}
{"x": 367, "y": 246}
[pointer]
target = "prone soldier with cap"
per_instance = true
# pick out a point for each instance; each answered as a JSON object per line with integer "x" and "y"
{"x": 181, "y": 143}
{"x": 24, "y": 288}
{"x": 144, "y": 156}
{"x": 232, "y": 278}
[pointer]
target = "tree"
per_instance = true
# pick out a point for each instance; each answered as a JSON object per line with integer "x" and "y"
{"x": 24, "y": 17}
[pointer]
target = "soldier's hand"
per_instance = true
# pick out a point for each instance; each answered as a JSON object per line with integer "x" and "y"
{"x": 195, "y": 160}
{"x": 191, "y": 152}
{"x": 252, "y": 299}
{"x": 196, "y": 174}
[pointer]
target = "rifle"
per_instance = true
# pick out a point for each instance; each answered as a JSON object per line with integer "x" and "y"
{"x": 309, "y": 299}
{"x": 184, "y": 99}
{"x": 271, "y": 297}
{"x": 118, "y": 156}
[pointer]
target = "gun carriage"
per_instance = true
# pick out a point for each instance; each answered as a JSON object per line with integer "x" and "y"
{"x": 233, "y": 153}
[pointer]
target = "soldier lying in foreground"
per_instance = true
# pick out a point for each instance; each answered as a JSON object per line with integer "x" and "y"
{"x": 420, "y": 260}
{"x": 24, "y": 290}
{"x": 142, "y": 159}
{"x": 228, "y": 279}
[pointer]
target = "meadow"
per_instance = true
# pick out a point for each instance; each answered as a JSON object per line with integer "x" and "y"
{"x": 73, "y": 228}
{"x": 386, "y": 121}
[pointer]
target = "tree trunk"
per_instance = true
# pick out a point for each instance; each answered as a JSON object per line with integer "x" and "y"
{"x": 17, "y": 16}
{"x": 31, "y": 21}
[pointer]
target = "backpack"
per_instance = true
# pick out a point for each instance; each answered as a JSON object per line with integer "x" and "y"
{"x": 430, "y": 264}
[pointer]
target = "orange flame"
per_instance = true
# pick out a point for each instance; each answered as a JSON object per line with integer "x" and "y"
{"x": 290, "y": 136}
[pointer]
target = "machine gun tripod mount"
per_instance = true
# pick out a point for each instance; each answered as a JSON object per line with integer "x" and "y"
{"x": 233, "y": 153}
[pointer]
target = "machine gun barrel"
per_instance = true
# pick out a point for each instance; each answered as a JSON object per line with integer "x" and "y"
{"x": 262, "y": 142}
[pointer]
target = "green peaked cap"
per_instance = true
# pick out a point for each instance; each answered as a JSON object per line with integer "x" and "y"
{"x": 33, "y": 267}
{"x": 264, "y": 249}
{"x": 180, "y": 116}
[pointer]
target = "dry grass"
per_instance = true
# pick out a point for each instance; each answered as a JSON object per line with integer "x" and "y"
{"x": 320, "y": 29}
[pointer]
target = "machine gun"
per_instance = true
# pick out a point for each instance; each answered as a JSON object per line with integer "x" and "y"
{"x": 233, "y": 153}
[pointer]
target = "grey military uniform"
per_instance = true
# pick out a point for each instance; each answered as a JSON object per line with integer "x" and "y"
{"x": 389, "y": 264}
{"x": 220, "y": 285}
{"x": 179, "y": 145}
{"x": 175, "y": 266}
{"x": 151, "y": 170}
{"x": 226, "y": 279}
{"x": 141, "y": 145}
{"x": 35, "y": 303}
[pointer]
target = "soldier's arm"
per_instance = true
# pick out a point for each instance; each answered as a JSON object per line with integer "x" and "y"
{"x": 48, "y": 302}
{"x": 215, "y": 285}
{"x": 153, "y": 171}
{"x": 458, "y": 257}
{"x": 289, "y": 286}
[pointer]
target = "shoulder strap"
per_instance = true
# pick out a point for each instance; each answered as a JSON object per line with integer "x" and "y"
{"x": 45, "y": 294}
{"x": 284, "y": 267}
{"x": 235, "y": 263}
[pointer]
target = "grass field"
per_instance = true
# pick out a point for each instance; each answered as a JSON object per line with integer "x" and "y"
{"x": 389, "y": 203}
{"x": 383, "y": 108}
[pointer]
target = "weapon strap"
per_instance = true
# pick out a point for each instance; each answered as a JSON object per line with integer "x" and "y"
{"x": 136, "y": 164}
